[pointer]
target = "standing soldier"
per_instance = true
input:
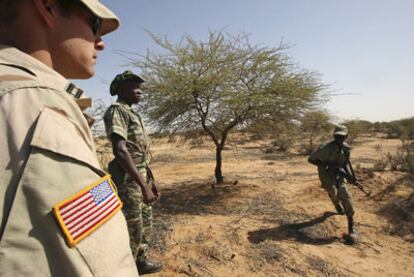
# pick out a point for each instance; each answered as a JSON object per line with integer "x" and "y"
{"x": 59, "y": 213}
{"x": 130, "y": 143}
{"x": 332, "y": 160}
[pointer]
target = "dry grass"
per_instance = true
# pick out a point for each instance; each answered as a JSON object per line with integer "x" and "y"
{"x": 271, "y": 217}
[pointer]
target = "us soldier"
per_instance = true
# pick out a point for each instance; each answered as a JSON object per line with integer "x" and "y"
{"x": 131, "y": 147}
{"x": 332, "y": 161}
{"x": 48, "y": 156}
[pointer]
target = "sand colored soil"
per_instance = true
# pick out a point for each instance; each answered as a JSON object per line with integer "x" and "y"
{"x": 272, "y": 218}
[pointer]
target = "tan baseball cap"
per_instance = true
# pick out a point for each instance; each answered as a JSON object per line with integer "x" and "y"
{"x": 340, "y": 130}
{"x": 110, "y": 22}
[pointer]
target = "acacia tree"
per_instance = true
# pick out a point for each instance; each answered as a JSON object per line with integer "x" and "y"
{"x": 314, "y": 124}
{"x": 222, "y": 83}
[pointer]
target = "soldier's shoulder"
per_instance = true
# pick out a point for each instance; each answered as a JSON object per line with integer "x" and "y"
{"x": 111, "y": 108}
{"x": 324, "y": 145}
{"x": 12, "y": 77}
{"x": 347, "y": 146}
{"x": 118, "y": 106}
{"x": 15, "y": 70}
{"x": 115, "y": 110}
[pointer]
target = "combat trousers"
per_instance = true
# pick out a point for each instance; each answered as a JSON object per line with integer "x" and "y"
{"x": 138, "y": 216}
{"x": 338, "y": 193}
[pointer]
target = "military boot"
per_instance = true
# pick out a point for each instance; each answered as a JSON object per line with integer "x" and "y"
{"x": 148, "y": 267}
{"x": 353, "y": 235}
{"x": 339, "y": 209}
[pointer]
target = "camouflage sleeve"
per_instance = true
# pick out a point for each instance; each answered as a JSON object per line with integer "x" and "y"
{"x": 116, "y": 122}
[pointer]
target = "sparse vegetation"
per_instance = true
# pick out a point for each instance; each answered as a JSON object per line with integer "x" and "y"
{"x": 356, "y": 128}
{"x": 403, "y": 128}
{"x": 403, "y": 159}
{"x": 258, "y": 221}
{"x": 271, "y": 218}
{"x": 400, "y": 214}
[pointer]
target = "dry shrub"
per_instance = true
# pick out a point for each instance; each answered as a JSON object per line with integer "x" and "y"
{"x": 378, "y": 147}
{"x": 400, "y": 213}
{"x": 172, "y": 138}
{"x": 271, "y": 251}
{"x": 380, "y": 165}
{"x": 285, "y": 136}
{"x": 314, "y": 128}
{"x": 403, "y": 159}
{"x": 403, "y": 128}
{"x": 324, "y": 267}
{"x": 356, "y": 128}
{"x": 283, "y": 143}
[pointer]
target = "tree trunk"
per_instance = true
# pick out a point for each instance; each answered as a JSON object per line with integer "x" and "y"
{"x": 217, "y": 171}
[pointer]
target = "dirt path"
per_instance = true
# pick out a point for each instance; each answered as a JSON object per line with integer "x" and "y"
{"x": 272, "y": 218}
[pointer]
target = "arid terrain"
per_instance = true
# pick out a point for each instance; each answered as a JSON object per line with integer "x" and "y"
{"x": 272, "y": 218}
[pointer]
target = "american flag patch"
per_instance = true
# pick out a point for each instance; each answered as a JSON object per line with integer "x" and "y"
{"x": 82, "y": 213}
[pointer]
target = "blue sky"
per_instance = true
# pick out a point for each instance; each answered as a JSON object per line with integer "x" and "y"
{"x": 361, "y": 47}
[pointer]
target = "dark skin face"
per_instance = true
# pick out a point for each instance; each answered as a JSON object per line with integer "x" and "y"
{"x": 130, "y": 92}
{"x": 339, "y": 140}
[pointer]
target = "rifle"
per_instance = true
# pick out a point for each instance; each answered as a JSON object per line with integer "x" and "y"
{"x": 355, "y": 180}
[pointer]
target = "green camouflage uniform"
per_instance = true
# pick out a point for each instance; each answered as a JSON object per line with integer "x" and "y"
{"x": 329, "y": 153}
{"x": 120, "y": 119}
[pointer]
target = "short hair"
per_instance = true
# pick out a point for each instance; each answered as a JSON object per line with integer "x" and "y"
{"x": 66, "y": 6}
{"x": 8, "y": 11}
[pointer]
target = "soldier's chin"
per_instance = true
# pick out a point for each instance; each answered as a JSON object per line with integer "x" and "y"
{"x": 82, "y": 75}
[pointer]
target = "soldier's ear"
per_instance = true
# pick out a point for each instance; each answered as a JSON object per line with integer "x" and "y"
{"x": 47, "y": 11}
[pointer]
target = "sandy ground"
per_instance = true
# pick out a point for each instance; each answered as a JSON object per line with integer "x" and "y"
{"x": 272, "y": 218}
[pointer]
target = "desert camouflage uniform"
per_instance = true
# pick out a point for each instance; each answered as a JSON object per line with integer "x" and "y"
{"x": 336, "y": 188}
{"x": 120, "y": 119}
{"x": 47, "y": 155}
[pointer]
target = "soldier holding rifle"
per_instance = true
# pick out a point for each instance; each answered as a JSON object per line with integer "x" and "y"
{"x": 333, "y": 163}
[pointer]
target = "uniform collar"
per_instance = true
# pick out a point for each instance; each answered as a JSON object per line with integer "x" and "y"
{"x": 45, "y": 75}
{"x": 123, "y": 103}
{"x": 337, "y": 148}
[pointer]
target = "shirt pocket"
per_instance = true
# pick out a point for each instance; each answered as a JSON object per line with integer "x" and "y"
{"x": 137, "y": 135}
{"x": 55, "y": 133}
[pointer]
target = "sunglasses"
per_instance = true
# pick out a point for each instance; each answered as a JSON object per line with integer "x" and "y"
{"x": 96, "y": 22}
{"x": 96, "y": 25}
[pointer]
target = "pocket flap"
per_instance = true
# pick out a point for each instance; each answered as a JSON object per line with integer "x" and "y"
{"x": 54, "y": 132}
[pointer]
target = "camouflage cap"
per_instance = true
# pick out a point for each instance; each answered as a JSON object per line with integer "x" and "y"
{"x": 110, "y": 22}
{"x": 340, "y": 130}
{"x": 125, "y": 76}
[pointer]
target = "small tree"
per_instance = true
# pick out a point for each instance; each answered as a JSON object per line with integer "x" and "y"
{"x": 222, "y": 83}
{"x": 313, "y": 125}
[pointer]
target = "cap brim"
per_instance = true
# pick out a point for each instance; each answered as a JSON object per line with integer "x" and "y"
{"x": 340, "y": 133}
{"x": 137, "y": 78}
{"x": 110, "y": 22}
